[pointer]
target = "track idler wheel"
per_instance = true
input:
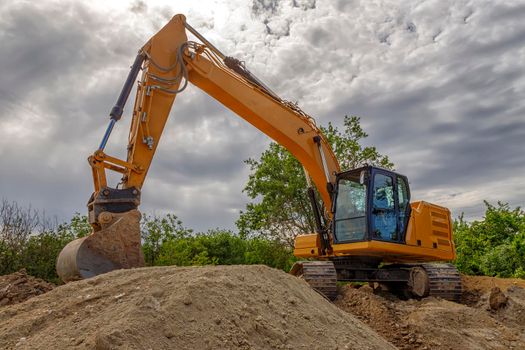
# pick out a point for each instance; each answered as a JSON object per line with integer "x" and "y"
{"x": 115, "y": 246}
{"x": 418, "y": 283}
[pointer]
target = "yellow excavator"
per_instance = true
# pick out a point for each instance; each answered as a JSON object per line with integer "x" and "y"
{"x": 367, "y": 229}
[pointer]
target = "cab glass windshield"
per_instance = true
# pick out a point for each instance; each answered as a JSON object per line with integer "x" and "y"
{"x": 350, "y": 212}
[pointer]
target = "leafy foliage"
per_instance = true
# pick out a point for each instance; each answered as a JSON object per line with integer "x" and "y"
{"x": 283, "y": 211}
{"x": 167, "y": 242}
{"x": 347, "y": 146}
{"x": 30, "y": 240}
{"x": 41, "y": 252}
{"x": 277, "y": 184}
{"x": 157, "y": 232}
{"x": 494, "y": 246}
{"x": 77, "y": 227}
{"x": 27, "y": 243}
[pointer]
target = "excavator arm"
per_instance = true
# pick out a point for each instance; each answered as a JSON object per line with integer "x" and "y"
{"x": 168, "y": 63}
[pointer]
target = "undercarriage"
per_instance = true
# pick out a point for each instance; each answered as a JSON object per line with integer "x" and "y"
{"x": 417, "y": 280}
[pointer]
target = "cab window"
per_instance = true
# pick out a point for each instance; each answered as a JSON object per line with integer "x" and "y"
{"x": 350, "y": 213}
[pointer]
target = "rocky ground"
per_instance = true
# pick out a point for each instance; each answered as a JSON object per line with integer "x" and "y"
{"x": 18, "y": 287}
{"x": 491, "y": 315}
{"x": 250, "y": 307}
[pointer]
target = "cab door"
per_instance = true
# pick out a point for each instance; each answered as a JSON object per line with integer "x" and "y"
{"x": 384, "y": 223}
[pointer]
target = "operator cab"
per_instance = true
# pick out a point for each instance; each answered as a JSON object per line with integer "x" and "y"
{"x": 370, "y": 203}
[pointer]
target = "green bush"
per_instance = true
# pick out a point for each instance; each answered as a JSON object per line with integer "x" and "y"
{"x": 494, "y": 246}
{"x": 157, "y": 233}
{"x": 165, "y": 241}
{"x": 40, "y": 254}
{"x": 216, "y": 247}
{"x": 271, "y": 253}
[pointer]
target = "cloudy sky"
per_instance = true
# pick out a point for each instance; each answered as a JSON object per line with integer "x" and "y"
{"x": 439, "y": 85}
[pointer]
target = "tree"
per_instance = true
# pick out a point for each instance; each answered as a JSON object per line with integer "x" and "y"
{"x": 348, "y": 149}
{"x": 77, "y": 227}
{"x": 30, "y": 240}
{"x": 277, "y": 185}
{"x": 494, "y": 246}
{"x": 17, "y": 226}
{"x": 168, "y": 242}
{"x": 156, "y": 231}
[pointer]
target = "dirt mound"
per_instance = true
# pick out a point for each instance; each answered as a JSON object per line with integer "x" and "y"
{"x": 19, "y": 286}
{"x": 379, "y": 312}
{"x": 223, "y": 307}
{"x": 474, "y": 287}
{"x": 485, "y": 283}
{"x": 439, "y": 324}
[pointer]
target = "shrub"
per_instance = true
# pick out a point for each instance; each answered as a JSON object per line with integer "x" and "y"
{"x": 494, "y": 246}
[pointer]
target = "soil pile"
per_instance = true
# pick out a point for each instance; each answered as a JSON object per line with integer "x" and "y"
{"x": 222, "y": 307}
{"x": 491, "y": 316}
{"x": 19, "y": 286}
{"x": 474, "y": 287}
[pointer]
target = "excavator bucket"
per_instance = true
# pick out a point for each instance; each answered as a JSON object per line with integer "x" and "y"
{"x": 115, "y": 246}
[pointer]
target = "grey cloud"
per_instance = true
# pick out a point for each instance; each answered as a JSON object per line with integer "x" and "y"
{"x": 444, "y": 98}
{"x": 139, "y": 7}
{"x": 508, "y": 12}
{"x": 264, "y": 7}
{"x": 304, "y": 4}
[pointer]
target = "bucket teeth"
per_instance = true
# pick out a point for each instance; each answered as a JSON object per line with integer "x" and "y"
{"x": 115, "y": 246}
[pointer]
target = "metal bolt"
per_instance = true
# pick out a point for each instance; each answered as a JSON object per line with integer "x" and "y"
{"x": 105, "y": 217}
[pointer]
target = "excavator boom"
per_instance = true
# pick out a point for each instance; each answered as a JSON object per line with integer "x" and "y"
{"x": 169, "y": 62}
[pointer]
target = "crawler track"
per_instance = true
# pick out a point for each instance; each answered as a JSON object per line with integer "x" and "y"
{"x": 320, "y": 275}
{"x": 444, "y": 281}
{"x": 422, "y": 280}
